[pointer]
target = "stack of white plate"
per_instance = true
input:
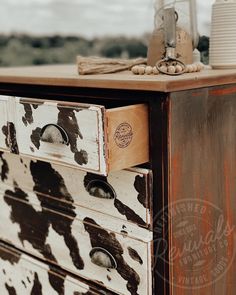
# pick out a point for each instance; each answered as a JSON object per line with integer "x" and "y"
{"x": 223, "y": 34}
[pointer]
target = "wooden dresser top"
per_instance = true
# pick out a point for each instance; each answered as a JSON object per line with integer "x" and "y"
{"x": 66, "y": 75}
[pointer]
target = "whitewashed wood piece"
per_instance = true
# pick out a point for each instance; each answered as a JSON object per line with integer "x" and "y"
{"x": 132, "y": 188}
{"x": 24, "y": 275}
{"x": 4, "y": 132}
{"x": 68, "y": 242}
{"x": 83, "y": 123}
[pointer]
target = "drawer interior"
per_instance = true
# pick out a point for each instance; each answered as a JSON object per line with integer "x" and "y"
{"x": 128, "y": 136}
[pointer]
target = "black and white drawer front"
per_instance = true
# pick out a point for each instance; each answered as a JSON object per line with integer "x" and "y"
{"x": 23, "y": 275}
{"x": 83, "y": 246}
{"x": 88, "y": 137}
{"x": 125, "y": 195}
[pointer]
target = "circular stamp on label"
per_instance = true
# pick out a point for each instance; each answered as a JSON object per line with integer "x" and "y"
{"x": 123, "y": 135}
{"x": 202, "y": 243}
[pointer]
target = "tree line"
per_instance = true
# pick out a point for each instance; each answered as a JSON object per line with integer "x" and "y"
{"x": 22, "y": 49}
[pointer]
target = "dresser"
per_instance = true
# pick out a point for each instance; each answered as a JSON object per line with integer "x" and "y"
{"x": 117, "y": 184}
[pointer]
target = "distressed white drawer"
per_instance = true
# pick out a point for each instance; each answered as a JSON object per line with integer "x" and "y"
{"x": 82, "y": 246}
{"x": 24, "y": 275}
{"x": 4, "y": 131}
{"x": 125, "y": 194}
{"x": 88, "y": 137}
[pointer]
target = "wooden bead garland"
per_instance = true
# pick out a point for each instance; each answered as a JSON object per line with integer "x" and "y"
{"x": 148, "y": 70}
{"x": 144, "y": 70}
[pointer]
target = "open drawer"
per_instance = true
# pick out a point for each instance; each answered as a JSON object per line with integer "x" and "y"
{"x": 88, "y": 137}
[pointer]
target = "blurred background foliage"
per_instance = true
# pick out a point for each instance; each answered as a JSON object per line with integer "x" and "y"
{"x": 21, "y": 49}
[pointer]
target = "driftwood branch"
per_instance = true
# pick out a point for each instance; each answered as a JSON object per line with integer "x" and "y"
{"x": 99, "y": 65}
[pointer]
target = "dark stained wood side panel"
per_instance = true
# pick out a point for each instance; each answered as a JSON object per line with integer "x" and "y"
{"x": 159, "y": 108}
{"x": 202, "y": 203}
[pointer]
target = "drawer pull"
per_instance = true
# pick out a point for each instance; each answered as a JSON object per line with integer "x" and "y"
{"x": 100, "y": 189}
{"x": 54, "y": 134}
{"x": 101, "y": 257}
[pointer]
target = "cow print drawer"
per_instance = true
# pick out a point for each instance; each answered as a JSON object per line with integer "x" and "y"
{"x": 4, "y": 132}
{"x": 88, "y": 137}
{"x": 124, "y": 194}
{"x": 83, "y": 247}
{"x": 24, "y": 275}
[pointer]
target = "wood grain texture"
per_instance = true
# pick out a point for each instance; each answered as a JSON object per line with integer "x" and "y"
{"x": 24, "y": 275}
{"x": 128, "y": 136}
{"x": 159, "y": 112}
{"x": 66, "y": 75}
{"x": 202, "y": 191}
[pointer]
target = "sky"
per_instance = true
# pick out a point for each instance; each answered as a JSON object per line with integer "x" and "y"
{"x": 88, "y": 18}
